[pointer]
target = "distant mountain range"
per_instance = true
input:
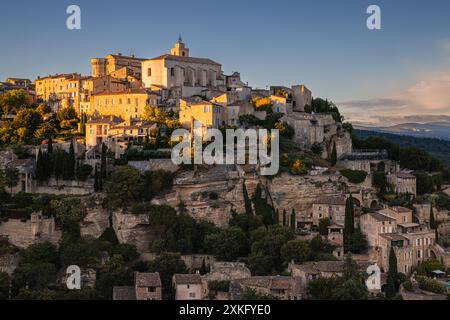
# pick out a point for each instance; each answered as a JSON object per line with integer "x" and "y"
{"x": 439, "y": 130}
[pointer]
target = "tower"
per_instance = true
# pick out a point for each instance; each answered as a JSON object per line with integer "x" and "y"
{"x": 98, "y": 67}
{"x": 180, "y": 49}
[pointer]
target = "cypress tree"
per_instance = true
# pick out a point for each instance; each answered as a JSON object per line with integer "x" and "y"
{"x": 50, "y": 145}
{"x": 390, "y": 287}
{"x": 333, "y": 158}
{"x": 71, "y": 162}
{"x": 103, "y": 163}
{"x": 433, "y": 224}
{"x": 203, "y": 270}
{"x": 158, "y": 138}
{"x": 96, "y": 182}
{"x": 284, "y": 217}
{"x": 293, "y": 219}
{"x": 40, "y": 170}
{"x": 247, "y": 203}
{"x": 349, "y": 225}
{"x": 392, "y": 274}
{"x": 276, "y": 218}
{"x": 47, "y": 166}
{"x": 58, "y": 165}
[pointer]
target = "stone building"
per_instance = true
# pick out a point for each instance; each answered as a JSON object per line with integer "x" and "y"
{"x": 368, "y": 160}
{"x": 147, "y": 286}
{"x": 329, "y": 207}
{"x": 181, "y": 74}
{"x": 281, "y": 287}
{"x": 129, "y": 104}
{"x": 200, "y": 115}
{"x": 112, "y": 63}
{"x": 412, "y": 242}
{"x": 25, "y": 233}
{"x": 25, "y": 168}
{"x": 188, "y": 286}
{"x": 404, "y": 183}
{"x": 226, "y": 271}
{"x": 60, "y": 90}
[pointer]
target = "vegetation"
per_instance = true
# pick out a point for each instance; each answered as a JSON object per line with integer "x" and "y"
{"x": 349, "y": 286}
{"x": 354, "y": 176}
{"x": 430, "y": 285}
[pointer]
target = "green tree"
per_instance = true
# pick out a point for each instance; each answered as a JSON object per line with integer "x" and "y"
{"x": 392, "y": 281}
{"x": 124, "y": 186}
{"x": 295, "y": 250}
{"x": 228, "y": 245}
{"x": 349, "y": 224}
{"x": 433, "y": 224}
{"x": 247, "y": 203}
{"x": 14, "y": 99}
{"x": 11, "y": 177}
{"x": 4, "y": 285}
{"x": 284, "y": 217}
{"x": 324, "y": 223}
{"x": 113, "y": 273}
{"x": 293, "y": 219}
{"x": 167, "y": 264}
{"x": 333, "y": 157}
{"x": 71, "y": 162}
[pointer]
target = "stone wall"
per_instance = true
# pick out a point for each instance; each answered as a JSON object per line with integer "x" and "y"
{"x": 154, "y": 164}
{"x": 9, "y": 263}
{"x": 22, "y": 234}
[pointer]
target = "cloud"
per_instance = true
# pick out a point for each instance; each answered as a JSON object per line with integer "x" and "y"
{"x": 425, "y": 101}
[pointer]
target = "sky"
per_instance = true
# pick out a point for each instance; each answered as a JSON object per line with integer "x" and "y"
{"x": 400, "y": 73}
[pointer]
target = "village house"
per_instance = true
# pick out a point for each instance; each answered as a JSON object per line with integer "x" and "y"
{"x": 368, "y": 160}
{"x": 281, "y": 287}
{"x": 412, "y": 242}
{"x": 404, "y": 183}
{"x": 329, "y": 207}
{"x": 129, "y": 104}
{"x": 200, "y": 115}
{"x": 61, "y": 90}
{"x": 188, "y": 286}
{"x": 147, "y": 286}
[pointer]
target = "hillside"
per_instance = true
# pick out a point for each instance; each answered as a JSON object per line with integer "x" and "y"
{"x": 437, "y": 147}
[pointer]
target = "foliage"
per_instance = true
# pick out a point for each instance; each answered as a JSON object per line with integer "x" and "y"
{"x": 333, "y": 156}
{"x": 354, "y": 176}
{"x": 349, "y": 286}
{"x": 285, "y": 129}
{"x": 124, "y": 186}
{"x": 228, "y": 244}
{"x": 430, "y": 285}
{"x": 425, "y": 268}
{"x": 324, "y": 223}
{"x": 68, "y": 214}
{"x": 349, "y": 224}
{"x": 13, "y": 100}
{"x": 113, "y": 273}
{"x": 4, "y": 286}
{"x": 317, "y": 148}
{"x": 251, "y": 294}
{"x": 223, "y": 286}
{"x": 265, "y": 257}
{"x": 296, "y": 250}
{"x": 167, "y": 264}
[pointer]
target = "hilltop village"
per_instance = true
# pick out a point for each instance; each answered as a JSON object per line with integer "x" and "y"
{"x": 86, "y": 179}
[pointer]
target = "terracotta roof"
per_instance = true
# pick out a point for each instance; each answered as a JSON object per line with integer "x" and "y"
{"x": 124, "y": 293}
{"x": 146, "y": 279}
{"x": 186, "y": 59}
{"x": 187, "y": 279}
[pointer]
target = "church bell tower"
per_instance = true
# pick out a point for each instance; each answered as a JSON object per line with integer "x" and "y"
{"x": 179, "y": 49}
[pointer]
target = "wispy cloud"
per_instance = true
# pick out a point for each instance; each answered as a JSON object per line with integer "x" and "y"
{"x": 427, "y": 100}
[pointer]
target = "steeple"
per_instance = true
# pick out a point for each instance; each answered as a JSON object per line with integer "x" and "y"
{"x": 180, "y": 49}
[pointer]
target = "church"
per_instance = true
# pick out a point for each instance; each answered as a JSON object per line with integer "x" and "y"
{"x": 181, "y": 74}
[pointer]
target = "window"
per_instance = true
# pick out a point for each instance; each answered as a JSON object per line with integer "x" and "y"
{"x": 172, "y": 71}
{"x": 149, "y": 72}
{"x": 151, "y": 289}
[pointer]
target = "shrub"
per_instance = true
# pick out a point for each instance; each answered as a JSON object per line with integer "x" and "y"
{"x": 354, "y": 176}
{"x": 430, "y": 285}
{"x": 408, "y": 285}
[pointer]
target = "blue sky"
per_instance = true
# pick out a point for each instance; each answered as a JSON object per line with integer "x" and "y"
{"x": 323, "y": 43}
